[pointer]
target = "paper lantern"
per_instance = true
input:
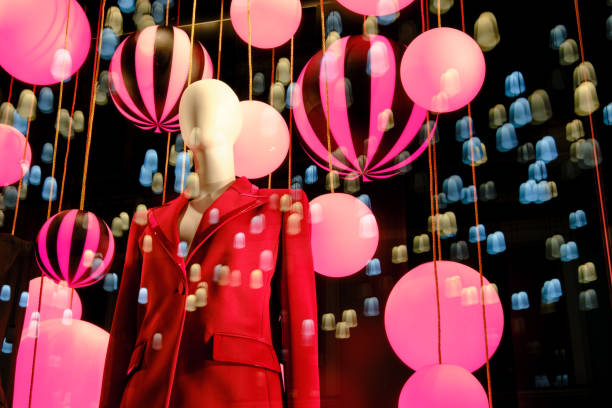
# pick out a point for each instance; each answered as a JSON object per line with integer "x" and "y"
{"x": 76, "y": 247}
{"x": 32, "y": 35}
{"x": 55, "y": 300}
{"x": 443, "y": 69}
{"x": 411, "y": 320}
{"x": 375, "y": 7}
{"x": 13, "y": 166}
{"x": 263, "y": 142}
{"x": 70, "y": 357}
{"x": 372, "y": 121}
{"x": 273, "y": 22}
{"x": 344, "y": 234}
{"x": 443, "y": 386}
{"x": 148, "y": 74}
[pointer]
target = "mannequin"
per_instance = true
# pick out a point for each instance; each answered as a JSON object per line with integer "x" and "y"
{"x": 195, "y": 329}
{"x": 210, "y": 114}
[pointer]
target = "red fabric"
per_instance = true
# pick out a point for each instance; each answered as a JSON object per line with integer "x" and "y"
{"x": 220, "y": 355}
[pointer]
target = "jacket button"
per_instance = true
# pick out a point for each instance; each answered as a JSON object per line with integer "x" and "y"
{"x": 181, "y": 288}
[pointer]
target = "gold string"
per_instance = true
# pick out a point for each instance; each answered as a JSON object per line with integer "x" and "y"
{"x": 220, "y": 41}
{"x": 61, "y": 200}
{"x": 323, "y": 66}
{"x": 92, "y": 104}
{"x": 59, "y": 108}
{"x": 25, "y": 149}
{"x": 291, "y": 113}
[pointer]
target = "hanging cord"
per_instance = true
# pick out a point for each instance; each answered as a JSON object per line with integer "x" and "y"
{"x": 291, "y": 114}
{"x": 25, "y": 149}
{"x": 61, "y": 199}
{"x": 193, "y": 16}
{"x": 478, "y": 245}
{"x": 250, "y": 52}
{"x": 168, "y": 142}
{"x": 59, "y": 109}
{"x": 220, "y": 41}
{"x": 600, "y": 194}
{"x": 9, "y": 99}
{"x": 323, "y": 65}
{"x": 178, "y": 15}
{"x": 92, "y": 104}
{"x": 272, "y": 82}
{"x": 434, "y": 208}
{"x": 434, "y": 242}
{"x": 166, "y": 169}
{"x": 59, "y": 105}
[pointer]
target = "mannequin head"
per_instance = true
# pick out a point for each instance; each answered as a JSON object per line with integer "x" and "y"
{"x": 210, "y": 115}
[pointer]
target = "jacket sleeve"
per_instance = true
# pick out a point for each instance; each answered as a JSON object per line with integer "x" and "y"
{"x": 124, "y": 328}
{"x": 299, "y": 310}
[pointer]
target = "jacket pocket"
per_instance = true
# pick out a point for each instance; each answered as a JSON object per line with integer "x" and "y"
{"x": 136, "y": 359}
{"x": 238, "y": 349}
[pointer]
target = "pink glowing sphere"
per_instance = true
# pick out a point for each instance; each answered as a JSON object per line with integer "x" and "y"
{"x": 13, "y": 165}
{"x": 373, "y": 124}
{"x": 74, "y": 247}
{"x": 263, "y": 142}
{"x": 443, "y": 386}
{"x": 375, "y": 7}
{"x": 344, "y": 234}
{"x": 273, "y": 22}
{"x": 32, "y": 34}
{"x": 443, "y": 69}
{"x": 55, "y": 300}
{"x": 411, "y": 320}
{"x": 70, "y": 357}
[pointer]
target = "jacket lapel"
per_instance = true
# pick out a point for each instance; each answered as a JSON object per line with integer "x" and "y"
{"x": 240, "y": 197}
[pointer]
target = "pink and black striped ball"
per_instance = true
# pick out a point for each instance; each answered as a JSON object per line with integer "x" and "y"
{"x": 372, "y": 122}
{"x": 75, "y": 247}
{"x": 148, "y": 74}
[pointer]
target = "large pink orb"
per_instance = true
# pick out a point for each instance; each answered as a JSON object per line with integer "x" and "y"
{"x": 443, "y": 69}
{"x": 273, "y": 22}
{"x": 443, "y": 386}
{"x": 69, "y": 365}
{"x": 375, "y": 7}
{"x": 411, "y": 320}
{"x": 263, "y": 142}
{"x": 344, "y": 234}
{"x": 32, "y": 34}
{"x": 55, "y": 300}
{"x": 13, "y": 165}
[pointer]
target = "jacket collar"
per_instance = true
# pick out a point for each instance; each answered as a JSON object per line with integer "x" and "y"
{"x": 239, "y": 196}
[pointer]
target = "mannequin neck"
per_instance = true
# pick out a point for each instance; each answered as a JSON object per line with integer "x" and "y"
{"x": 215, "y": 170}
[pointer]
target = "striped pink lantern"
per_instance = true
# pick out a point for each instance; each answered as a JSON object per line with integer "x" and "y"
{"x": 148, "y": 74}
{"x": 75, "y": 247}
{"x": 372, "y": 121}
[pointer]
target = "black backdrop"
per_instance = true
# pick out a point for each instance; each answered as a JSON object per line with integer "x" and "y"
{"x": 363, "y": 371}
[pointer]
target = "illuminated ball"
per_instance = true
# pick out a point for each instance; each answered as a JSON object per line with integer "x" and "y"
{"x": 375, "y": 7}
{"x": 55, "y": 300}
{"x": 75, "y": 247}
{"x": 344, "y": 234}
{"x": 411, "y": 319}
{"x": 273, "y": 22}
{"x": 12, "y": 163}
{"x": 263, "y": 142}
{"x": 443, "y": 386}
{"x": 443, "y": 69}
{"x": 32, "y": 34}
{"x": 70, "y": 359}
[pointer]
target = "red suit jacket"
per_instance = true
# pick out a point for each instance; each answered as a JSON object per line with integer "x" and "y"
{"x": 222, "y": 354}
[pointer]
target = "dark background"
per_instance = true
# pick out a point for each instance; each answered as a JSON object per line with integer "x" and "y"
{"x": 363, "y": 371}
